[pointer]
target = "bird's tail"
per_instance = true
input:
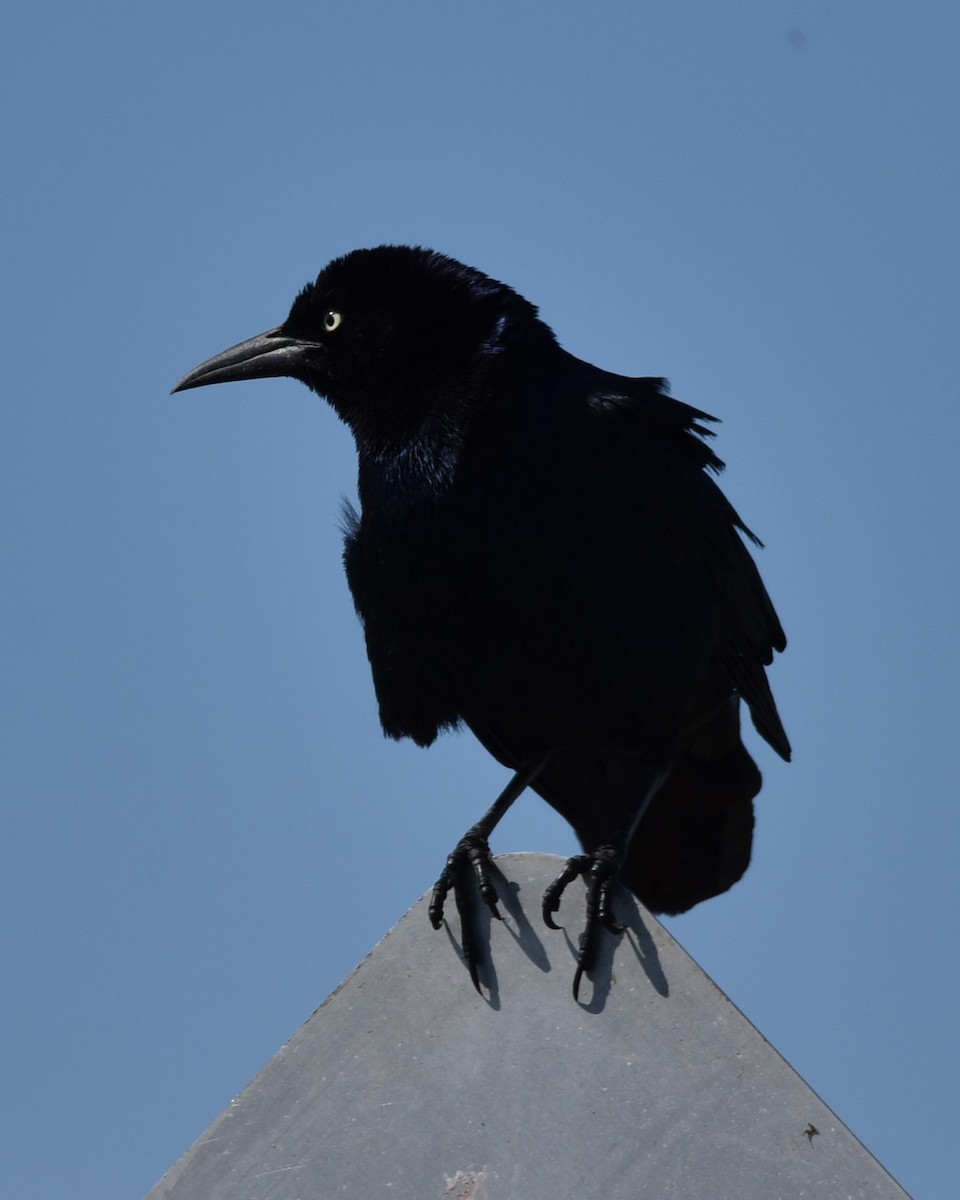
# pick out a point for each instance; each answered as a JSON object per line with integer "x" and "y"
{"x": 694, "y": 840}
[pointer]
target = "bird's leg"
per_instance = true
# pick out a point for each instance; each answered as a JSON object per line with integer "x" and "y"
{"x": 600, "y": 869}
{"x": 472, "y": 853}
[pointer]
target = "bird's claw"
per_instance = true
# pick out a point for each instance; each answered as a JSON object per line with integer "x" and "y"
{"x": 599, "y": 869}
{"x": 578, "y": 865}
{"x": 472, "y": 850}
{"x": 470, "y": 855}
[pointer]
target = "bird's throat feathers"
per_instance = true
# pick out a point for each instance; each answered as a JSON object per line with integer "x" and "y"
{"x": 410, "y": 445}
{"x": 410, "y": 475}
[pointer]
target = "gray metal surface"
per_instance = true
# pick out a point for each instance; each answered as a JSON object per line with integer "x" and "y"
{"x": 407, "y": 1084}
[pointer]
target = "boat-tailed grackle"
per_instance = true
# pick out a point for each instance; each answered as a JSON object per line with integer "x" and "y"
{"x": 543, "y": 554}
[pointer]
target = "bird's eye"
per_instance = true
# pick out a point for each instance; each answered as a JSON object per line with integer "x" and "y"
{"x": 332, "y": 320}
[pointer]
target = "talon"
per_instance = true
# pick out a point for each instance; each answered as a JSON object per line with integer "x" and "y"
{"x": 479, "y": 858}
{"x": 579, "y": 864}
{"x": 471, "y": 855}
{"x": 439, "y": 895}
{"x": 587, "y": 953}
{"x": 600, "y": 871}
{"x": 604, "y": 908}
{"x": 474, "y": 848}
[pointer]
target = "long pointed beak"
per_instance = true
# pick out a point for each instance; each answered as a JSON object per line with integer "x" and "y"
{"x": 265, "y": 356}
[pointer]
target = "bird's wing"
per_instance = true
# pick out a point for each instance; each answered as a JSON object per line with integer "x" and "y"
{"x": 706, "y": 534}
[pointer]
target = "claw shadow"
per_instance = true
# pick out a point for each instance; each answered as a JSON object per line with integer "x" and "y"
{"x": 481, "y": 921}
{"x": 488, "y": 986}
{"x": 601, "y": 974}
{"x": 645, "y": 949}
{"x": 522, "y": 932}
{"x": 638, "y": 937}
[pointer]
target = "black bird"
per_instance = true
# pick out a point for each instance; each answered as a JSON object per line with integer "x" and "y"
{"x": 541, "y": 554}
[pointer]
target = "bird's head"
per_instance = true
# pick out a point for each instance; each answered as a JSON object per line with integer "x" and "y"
{"x": 389, "y": 336}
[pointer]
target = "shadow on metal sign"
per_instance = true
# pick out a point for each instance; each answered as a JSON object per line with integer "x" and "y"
{"x": 407, "y": 1084}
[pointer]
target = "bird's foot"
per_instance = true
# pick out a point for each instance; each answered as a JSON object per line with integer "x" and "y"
{"x": 471, "y": 855}
{"x": 599, "y": 869}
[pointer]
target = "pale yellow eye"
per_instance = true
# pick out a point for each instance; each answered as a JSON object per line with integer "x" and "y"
{"x": 332, "y": 320}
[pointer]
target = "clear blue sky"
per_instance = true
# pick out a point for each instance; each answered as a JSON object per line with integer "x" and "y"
{"x": 758, "y": 200}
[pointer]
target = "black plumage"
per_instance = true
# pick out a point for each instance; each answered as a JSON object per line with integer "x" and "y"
{"x": 543, "y": 554}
